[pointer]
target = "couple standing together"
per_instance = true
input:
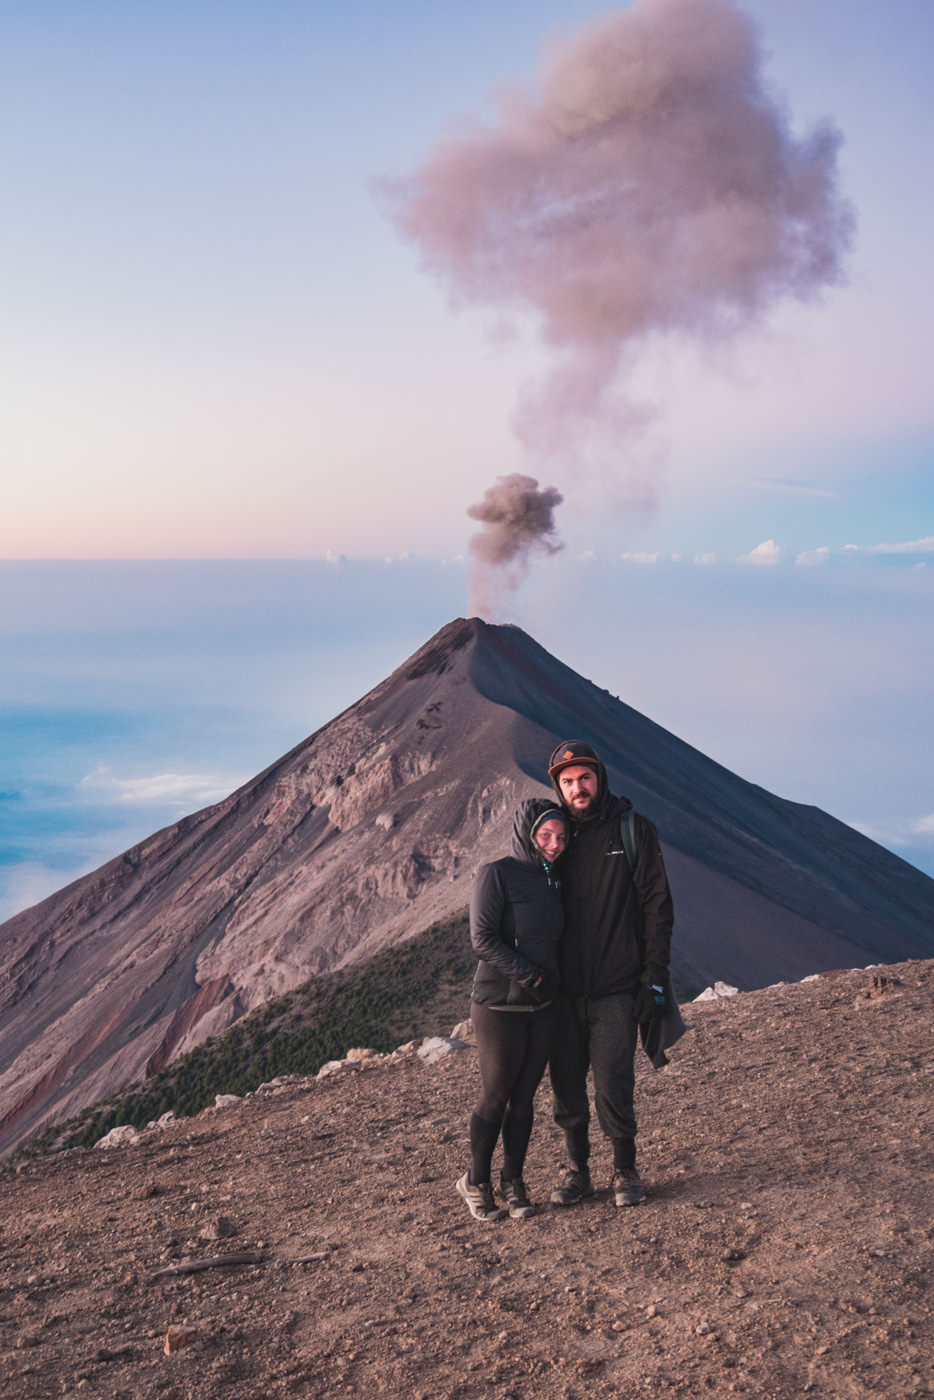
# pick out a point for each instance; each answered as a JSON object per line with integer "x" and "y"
{"x": 573, "y": 931}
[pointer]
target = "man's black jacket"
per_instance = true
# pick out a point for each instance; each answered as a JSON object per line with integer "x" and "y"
{"x": 617, "y": 922}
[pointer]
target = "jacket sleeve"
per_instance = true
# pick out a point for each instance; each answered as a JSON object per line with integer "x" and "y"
{"x": 651, "y": 883}
{"x": 487, "y": 913}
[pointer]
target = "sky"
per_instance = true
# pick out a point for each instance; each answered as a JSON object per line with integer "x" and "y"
{"x": 218, "y": 343}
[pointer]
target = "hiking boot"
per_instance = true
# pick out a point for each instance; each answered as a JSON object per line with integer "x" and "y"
{"x": 573, "y": 1187}
{"x": 516, "y": 1198}
{"x": 628, "y": 1188}
{"x": 479, "y": 1200}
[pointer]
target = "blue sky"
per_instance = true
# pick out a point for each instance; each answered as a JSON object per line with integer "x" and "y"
{"x": 215, "y": 346}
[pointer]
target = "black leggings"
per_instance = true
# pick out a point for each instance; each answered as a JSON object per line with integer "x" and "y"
{"x": 512, "y": 1052}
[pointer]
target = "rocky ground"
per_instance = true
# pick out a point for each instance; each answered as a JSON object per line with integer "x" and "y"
{"x": 785, "y": 1249}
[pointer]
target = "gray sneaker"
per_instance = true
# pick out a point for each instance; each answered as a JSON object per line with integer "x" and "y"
{"x": 479, "y": 1200}
{"x": 516, "y": 1197}
{"x": 573, "y": 1187}
{"x": 628, "y": 1188}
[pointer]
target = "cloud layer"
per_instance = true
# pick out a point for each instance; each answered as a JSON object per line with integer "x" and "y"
{"x": 186, "y": 790}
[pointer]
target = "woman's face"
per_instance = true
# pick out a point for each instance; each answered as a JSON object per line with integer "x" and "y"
{"x": 551, "y": 838}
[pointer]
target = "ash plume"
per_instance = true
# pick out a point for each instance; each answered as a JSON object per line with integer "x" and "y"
{"x": 517, "y": 519}
{"x": 652, "y": 186}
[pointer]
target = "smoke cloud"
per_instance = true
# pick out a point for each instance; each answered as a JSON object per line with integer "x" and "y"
{"x": 653, "y": 186}
{"x": 517, "y": 516}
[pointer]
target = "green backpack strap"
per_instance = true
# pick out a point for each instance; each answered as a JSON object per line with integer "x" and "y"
{"x": 627, "y": 834}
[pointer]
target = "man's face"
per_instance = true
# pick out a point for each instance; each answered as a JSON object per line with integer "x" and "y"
{"x": 578, "y": 785}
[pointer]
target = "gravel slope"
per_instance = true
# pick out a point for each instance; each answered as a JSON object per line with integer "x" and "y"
{"x": 786, "y": 1247}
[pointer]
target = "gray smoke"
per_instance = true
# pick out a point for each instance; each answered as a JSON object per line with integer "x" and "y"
{"x": 653, "y": 186}
{"x": 517, "y": 516}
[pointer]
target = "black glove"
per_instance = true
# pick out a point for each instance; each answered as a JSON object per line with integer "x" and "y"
{"x": 650, "y": 999}
{"x": 545, "y": 985}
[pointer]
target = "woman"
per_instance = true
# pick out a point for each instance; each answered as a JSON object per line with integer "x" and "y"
{"x": 515, "y": 923}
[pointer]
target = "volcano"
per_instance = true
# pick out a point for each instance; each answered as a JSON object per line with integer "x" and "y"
{"x": 372, "y": 829}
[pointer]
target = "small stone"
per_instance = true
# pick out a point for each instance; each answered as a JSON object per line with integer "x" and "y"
{"x": 435, "y": 1047}
{"x": 220, "y": 1229}
{"x": 703, "y": 1329}
{"x": 717, "y": 992}
{"x": 178, "y": 1337}
{"x": 124, "y": 1136}
{"x": 336, "y": 1067}
{"x": 651, "y": 1310}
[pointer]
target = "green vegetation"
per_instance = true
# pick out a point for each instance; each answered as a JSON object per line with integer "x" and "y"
{"x": 417, "y": 988}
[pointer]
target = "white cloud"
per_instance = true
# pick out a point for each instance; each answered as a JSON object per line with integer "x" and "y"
{"x": 637, "y": 558}
{"x": 790, "y": 487}
{"x": 814, "y": 556}
{"x": 587, "y": 556}
{"x": 925, "y": 546}
{"x": 922, "y": 546}
{"x": 768, "y": 552}
{"x": 896, "y": 833}
{"x": 182, "y": 790}
{"x": 705, "y": 559}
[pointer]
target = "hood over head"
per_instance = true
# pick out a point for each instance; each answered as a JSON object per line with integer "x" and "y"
{"x": 529, "y": 814}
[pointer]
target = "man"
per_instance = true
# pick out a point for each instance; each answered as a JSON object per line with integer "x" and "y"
{"x": 614, "y": 967}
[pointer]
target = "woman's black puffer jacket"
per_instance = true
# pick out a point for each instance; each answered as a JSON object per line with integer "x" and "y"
{"x": 516, "y": 919}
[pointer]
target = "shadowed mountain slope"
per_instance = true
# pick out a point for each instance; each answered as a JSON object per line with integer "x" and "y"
{"x": 372, "y": 829}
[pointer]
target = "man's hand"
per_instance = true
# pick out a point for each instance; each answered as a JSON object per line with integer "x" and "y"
{"x": 650, "y": 999}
